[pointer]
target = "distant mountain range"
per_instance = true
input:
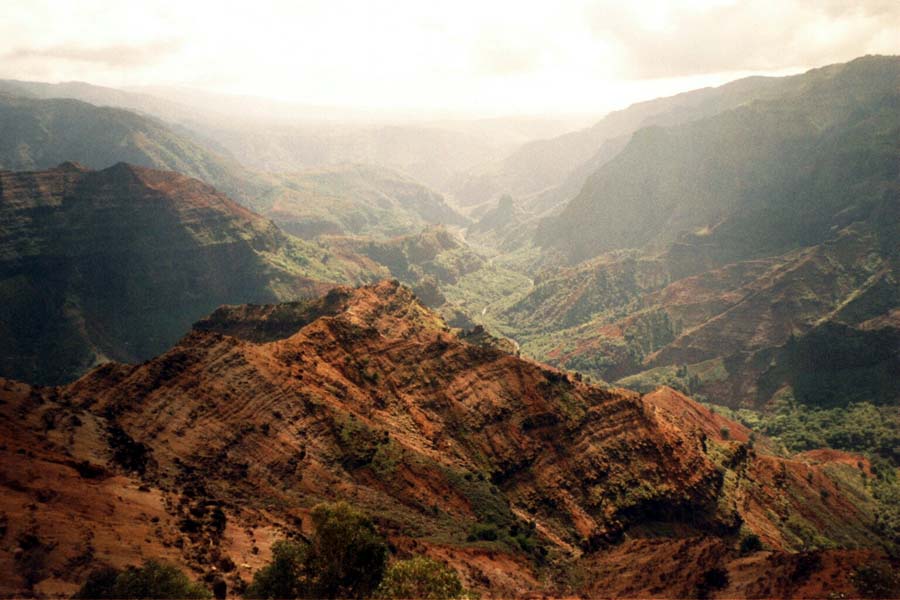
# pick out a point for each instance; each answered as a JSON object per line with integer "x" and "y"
{"x": 271, "y": 136}
{"x": 348, "y": 199}
{"x": 769, "y": 175}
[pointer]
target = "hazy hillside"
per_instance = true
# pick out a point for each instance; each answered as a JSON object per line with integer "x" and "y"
{"x": 116, "y": 264}
{"x": 273, "y": 136}
{"x": 541, "y": 167}
{"x": 769, "y": 175}
{"x": 146, "y": 104}
{"x": 42, "y": 133}
{"x": 340, "y": 199}
{"x": 352, "y": 199}
{"x": 278, "y": 136}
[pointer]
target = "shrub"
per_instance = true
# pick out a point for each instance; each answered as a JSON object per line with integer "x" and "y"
{"x": 100, "y": 584}
{"x": 152, "y": 580}
{"x": 712, "y": 580}
{"x": 877, "y": 581}
{"x": 750, "y": 544}
{"x": 421, "y": 578}
{"x": 483, "y": 532}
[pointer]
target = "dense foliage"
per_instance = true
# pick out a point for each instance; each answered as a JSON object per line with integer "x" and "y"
{"x": 857, "y": 427}
{"x": 285, "y": 576}
{"x": 872, "y": 430}
{"x": 153, "y": 579}
{"x": 422, "y": 578}
{"x": 345, "y": 558}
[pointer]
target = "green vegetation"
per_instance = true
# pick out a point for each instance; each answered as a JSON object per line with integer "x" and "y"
{"x": 483, "y": 293}
{"x": 285, "y": 576}
{"x": 857, "y": 427}
{"x": 878, "y": 580}
{"x": 352, "y": 199}
{"x": 346, "y": 558}
{"x": 872, "y": 430}
{"x": 151, "y": 580}
{"x": 421, "y": 578}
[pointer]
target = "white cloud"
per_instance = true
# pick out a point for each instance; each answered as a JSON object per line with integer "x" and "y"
{"x": 117, "y": 55}
{"x": 472, "y": 55}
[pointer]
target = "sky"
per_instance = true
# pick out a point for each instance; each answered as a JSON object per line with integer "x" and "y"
{"x": 485, "y": 57}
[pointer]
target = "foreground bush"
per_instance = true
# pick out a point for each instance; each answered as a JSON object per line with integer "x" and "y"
{"x": 346, "y": 558}
{"x": 421, "y": 578}
{"x": 285, "y": 576}
{"x": 152, "y": 580}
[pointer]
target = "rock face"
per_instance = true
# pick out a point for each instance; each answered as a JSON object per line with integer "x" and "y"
{"x": 117, "y": 264}
{"x": 522, "y": 477}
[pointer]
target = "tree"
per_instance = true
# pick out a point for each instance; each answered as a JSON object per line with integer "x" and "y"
{"x": 345, "y": 558}
{"x": 99, "y": 585}
{"x": 153, "y": 580}
{"x": 347, "y": 555}
{"x": 422, "y": 578}
{"x": 285, "y": 576}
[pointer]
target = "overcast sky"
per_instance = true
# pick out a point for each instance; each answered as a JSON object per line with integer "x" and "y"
{"x": 475, "y": 56}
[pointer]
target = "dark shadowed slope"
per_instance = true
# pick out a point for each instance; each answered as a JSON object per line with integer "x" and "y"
{"x": 116, "y": 264}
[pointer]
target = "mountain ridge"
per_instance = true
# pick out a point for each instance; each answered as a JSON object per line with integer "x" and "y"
{"x": 377, "y": 401}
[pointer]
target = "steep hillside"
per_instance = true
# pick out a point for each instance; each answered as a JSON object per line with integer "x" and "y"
{"x": 116, "y": 264}
{"x": 728, "y": 332}
{"x": 712, "y": 247}
{"x": 549, "y": 172}
{"x": 525, "y": 479}
{"x": 762, "y": 178}
{"x": 353, "y": 199}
